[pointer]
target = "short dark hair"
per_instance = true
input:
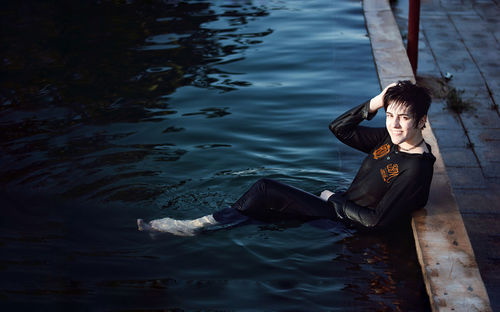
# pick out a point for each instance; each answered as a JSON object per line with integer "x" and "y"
{"x": 407, "y": 94}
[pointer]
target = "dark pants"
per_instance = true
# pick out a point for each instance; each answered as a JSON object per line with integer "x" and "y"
{"x": 271, "y": 201}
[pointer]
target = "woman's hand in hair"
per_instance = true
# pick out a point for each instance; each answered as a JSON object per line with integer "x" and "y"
{"x": 377, "y": 102}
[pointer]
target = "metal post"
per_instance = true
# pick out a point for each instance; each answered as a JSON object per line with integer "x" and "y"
{"x": 413, "y": 27}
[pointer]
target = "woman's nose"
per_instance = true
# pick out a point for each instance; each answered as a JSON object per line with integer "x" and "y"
{"x": 395, "y": 123}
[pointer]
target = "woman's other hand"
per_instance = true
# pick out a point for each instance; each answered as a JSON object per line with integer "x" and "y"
{"x": 326, "y": 194}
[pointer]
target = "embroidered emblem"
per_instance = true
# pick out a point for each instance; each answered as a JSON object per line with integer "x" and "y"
{"x": 389, "y": 172}
{"x": 381, "y": 151}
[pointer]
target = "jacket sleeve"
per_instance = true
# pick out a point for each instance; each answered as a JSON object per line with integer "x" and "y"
{"x": 346, "y": 128}
{"x": 409, "y": 191}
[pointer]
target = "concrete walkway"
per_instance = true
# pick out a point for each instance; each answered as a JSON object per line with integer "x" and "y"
{"x": 462, "y": 38}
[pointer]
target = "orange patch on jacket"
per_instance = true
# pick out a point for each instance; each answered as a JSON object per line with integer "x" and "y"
{"x": 389, "y": 172}
{"x": 381, "y": 151}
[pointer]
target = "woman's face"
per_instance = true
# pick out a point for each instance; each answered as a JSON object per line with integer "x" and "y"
{"x": 401, "y": 124}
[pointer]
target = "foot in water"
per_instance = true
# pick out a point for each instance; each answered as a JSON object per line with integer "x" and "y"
{"x": 177, "y": 227}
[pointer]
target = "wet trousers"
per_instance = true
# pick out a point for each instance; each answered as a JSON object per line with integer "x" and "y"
{"x": 271, "y": 201}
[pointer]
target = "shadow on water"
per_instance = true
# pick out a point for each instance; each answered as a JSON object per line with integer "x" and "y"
{"x": 69, "y": 69}
{"x": 97, "y": 59}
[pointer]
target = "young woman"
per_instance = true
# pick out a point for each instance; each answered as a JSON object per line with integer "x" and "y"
{"x": 394, "y": 178}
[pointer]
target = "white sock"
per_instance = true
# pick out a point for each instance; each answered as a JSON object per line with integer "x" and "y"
{"x": 178, "y": 227}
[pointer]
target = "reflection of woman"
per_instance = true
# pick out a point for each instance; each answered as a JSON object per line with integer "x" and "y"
{"x": 394, "y": 179}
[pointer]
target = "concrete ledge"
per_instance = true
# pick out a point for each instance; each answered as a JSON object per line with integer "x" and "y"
{"x": 444, "y": 251}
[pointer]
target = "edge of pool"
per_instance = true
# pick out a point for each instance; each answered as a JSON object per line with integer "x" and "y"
{"x": 444, "y": 251}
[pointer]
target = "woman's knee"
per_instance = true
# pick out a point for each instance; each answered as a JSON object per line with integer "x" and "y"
{"x": 260, "y": 188}
{"x": 265, "y": 183}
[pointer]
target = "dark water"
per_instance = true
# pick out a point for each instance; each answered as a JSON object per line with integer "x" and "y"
{"x": 117, "y": 110}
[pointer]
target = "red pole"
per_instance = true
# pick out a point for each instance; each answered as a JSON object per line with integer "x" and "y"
{"x": 413, "y": 26}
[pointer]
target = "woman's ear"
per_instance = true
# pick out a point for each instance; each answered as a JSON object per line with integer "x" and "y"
{"x": 421, "y": 123}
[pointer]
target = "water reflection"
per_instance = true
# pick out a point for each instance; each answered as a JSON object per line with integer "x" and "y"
{"x": 385, "y": 257}
{"x": 68, "y": 67}
{"x": 211, "y": 112}
{"x": 121, "y": 58}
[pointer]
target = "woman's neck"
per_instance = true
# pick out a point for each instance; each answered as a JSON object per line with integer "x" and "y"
{"x": 414, "y": 146}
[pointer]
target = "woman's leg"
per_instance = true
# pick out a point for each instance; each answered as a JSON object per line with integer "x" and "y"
{"x": 266, "y": 200}
{"x": 270, "y": 200}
